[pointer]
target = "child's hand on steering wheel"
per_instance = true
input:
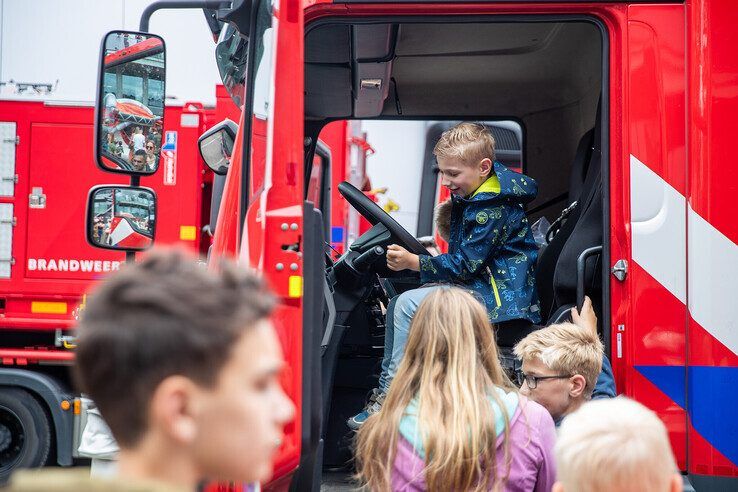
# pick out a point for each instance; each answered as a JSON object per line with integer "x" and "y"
{"x": 398, "y": 258}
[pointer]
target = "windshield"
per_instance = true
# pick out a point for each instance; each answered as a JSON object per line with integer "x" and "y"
{"x": 231, "y": 56}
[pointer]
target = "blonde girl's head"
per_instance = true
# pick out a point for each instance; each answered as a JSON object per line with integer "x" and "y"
{"x": 450, "y": 368}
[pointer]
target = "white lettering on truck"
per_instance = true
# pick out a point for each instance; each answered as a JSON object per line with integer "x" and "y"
{"x": 71, "y": 265}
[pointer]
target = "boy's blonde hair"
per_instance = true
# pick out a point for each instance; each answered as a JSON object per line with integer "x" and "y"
{"x": 468, "y": 142}
{"x": 565, "y": 348}
{"x": 612, "y": 444}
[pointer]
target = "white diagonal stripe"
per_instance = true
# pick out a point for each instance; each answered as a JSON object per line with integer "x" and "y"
{"x": 713, "y": 278}
{"x": 662, "y": 225}
{"x": 121, "y": 231}
{"x": 658, "y": 220}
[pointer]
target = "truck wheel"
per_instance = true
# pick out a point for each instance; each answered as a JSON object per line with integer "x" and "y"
{"x": 25, "y": 434}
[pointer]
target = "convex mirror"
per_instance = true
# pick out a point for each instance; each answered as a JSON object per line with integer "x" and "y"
{"x": 216, "y": 146}
{"x": 129, "y": 119}
{"x": 121, "y": 217}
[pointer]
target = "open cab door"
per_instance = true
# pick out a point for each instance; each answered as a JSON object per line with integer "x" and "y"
{"x": 272, "y": 190}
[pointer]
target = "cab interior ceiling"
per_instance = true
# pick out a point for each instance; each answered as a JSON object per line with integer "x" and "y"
{"x": 547, "y": 75}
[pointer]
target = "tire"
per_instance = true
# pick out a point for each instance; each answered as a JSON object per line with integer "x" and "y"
{"x": 25, "y": 433}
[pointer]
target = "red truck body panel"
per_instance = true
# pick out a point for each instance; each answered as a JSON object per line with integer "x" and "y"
{"x": 52, "y": 261}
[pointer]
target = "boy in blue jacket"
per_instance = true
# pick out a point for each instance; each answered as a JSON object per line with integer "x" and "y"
{"x": 491, "y": 250}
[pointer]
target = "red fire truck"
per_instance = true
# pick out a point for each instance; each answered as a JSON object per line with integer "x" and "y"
{"x": 626, "y": 109}
{"x": 46, "y": 265}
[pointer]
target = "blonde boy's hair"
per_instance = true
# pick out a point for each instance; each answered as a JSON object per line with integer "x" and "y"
{"x": 567, "y": 349}
{"x": 468, "y": 142}
{"x": 612, "y": 444}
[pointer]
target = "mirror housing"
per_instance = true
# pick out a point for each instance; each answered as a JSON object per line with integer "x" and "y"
{"x": 216, "y": 146}
{"x": 122, "y": 218}
{"x": 129, "y": 107}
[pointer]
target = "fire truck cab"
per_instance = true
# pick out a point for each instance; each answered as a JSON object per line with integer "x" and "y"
{"x": 625, "y": 109}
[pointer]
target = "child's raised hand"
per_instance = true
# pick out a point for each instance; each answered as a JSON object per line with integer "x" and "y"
{"x": 587, "y": 318}
{"x": 398, "y": 258}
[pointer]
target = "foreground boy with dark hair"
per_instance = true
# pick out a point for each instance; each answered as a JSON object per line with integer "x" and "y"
{"x": 183, "y": 364}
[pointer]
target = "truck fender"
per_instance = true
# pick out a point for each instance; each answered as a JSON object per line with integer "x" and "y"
{"x": 51, "y": 393}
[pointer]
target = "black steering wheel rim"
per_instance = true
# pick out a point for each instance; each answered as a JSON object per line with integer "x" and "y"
{"x": 375, "y": 215}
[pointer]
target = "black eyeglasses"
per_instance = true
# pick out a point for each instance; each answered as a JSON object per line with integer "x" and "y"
{"x": 532, "y": 381}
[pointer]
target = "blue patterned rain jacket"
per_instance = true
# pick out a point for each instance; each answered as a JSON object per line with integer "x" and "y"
{"x": 491, "y": 248}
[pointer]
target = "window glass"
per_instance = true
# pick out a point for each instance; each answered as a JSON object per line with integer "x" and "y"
{"x": 132, "y": 87}
{"x": 315, "y": 181}
{"x": 156, "y": 96}
{"x": 231, "y": 55}
{"x": 110, "y": 83}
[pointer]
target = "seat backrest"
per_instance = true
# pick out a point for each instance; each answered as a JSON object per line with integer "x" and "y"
{"x": 587, "y": 232}
{"x": 580, "y": 165}
{"x": 556, "y": 272}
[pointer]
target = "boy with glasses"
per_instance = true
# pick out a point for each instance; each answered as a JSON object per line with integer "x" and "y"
{"x": 561, "y": 364}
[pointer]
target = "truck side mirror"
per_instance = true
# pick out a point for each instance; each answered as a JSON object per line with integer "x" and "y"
{"x": 129, "y": 109}
{"x": 122, "y": 218}
{"x": 216, "y": 146}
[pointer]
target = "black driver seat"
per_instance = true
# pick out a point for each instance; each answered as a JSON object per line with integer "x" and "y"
{"x": 580, "y": 166}
{"x": 556, "y": 272}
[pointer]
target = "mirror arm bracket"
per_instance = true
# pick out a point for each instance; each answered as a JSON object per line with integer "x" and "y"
{"x": 178, "y": 4}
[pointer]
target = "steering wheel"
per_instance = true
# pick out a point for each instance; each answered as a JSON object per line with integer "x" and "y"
{"x": 375, "y": 215}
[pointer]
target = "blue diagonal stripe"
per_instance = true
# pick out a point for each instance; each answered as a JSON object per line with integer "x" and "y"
{"x": 713, "y": 407}
{"x": 713, "y": 401}
{"x": 669, "y": 379}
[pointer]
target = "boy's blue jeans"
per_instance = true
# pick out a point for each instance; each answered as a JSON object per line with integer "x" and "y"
{"x": 400, "y": 312}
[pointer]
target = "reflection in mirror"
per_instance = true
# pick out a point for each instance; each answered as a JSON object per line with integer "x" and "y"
{"x": 216, "y": 146}
{"x": 122, "y": 218}
{"x": 131, "y": 103}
